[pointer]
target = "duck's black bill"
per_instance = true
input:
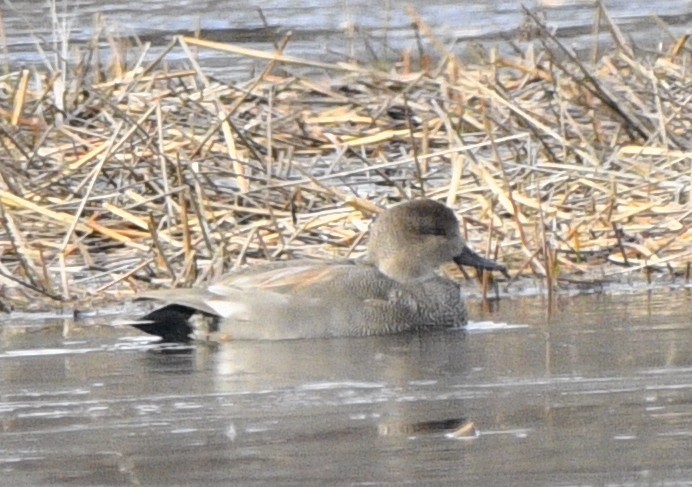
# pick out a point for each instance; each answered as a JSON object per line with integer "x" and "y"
{"x": 469, "y": 258}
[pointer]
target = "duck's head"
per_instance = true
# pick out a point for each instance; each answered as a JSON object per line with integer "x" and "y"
{"x": 412, "y": 240}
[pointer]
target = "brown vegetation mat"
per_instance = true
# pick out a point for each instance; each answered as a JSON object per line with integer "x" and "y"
{"x": 161, "y": 177}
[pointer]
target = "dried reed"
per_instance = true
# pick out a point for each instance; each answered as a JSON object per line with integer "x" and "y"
{"x": 579, "y": 173}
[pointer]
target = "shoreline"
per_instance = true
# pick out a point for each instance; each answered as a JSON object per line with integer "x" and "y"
{"x": 115, "y": 178}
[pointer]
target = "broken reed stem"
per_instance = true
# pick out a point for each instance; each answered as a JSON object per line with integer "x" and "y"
{"x": 414, "y": 148}
{"x": 184, "y": 221}
{"x": 92, "y": 181}
{"x": 20, "y": 97}
{"x": 618, "y": 236}
{"x": 63, "y": 276}
{"x": 117, "y": 278}
{"x": 203, "y": 223}
{"x": 549, "y": 262}
{"x": 161, "y": 255}
{"x": 592, "y": 83}
{"x": 17, "y": 242}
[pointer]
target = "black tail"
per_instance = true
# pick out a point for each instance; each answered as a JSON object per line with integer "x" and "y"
{"x": 171, "y": 323}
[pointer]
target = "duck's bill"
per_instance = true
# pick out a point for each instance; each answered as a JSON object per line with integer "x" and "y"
{"x": 469, "y": 258}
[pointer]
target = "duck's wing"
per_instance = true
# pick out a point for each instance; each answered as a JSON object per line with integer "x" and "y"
{"x": 289, "y": 279}
{"x": 228, "y": 296}
{"x": 195, "y": 298}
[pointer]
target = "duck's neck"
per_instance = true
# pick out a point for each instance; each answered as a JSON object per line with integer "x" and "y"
{"x": 404, "y": 269}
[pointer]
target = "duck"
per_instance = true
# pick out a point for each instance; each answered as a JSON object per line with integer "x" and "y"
{"x": 396, "y": 288}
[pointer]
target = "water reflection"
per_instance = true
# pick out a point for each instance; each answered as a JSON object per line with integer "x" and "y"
{"x": 600, "y": 393}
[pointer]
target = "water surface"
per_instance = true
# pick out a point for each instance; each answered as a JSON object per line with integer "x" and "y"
{"x": 328, "y": 30}
{"x": 598, "y": 394}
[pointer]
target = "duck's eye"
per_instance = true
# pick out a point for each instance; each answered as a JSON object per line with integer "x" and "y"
{"x": 433, "y": 231}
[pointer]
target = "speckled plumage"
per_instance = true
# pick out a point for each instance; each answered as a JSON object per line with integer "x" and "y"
{"x": 396, "y": 289}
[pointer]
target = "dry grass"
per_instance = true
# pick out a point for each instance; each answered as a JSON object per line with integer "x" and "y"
{"x": 116, "y": 178}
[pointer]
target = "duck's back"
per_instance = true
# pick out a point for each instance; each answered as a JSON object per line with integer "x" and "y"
{"x": 303, "y": 299}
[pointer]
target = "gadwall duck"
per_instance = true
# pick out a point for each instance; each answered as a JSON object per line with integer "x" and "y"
{"x": 395, "y": 289}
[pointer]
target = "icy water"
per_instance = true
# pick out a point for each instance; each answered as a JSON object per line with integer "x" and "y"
{"x": 599, "y": 394}
{"x": 328, "y": 30}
